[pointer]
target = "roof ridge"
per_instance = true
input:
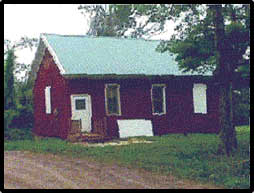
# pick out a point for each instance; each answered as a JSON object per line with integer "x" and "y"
{"x": 66, "y": 35}
{"x": 110, "y": 37}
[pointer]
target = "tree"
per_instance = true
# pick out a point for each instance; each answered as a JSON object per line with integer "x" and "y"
{"x": 208, "y": 43}
{"x": 116, "y": 20}
{"x": 213, "y": 37}
{"x": 24, "y": 105}
{"x": 17, "y": 95}
{"x": 9, "y": 91}
{"x": 23, "y": 43}
{"x": 108, "y": 20}
{"x": 9, "y": 80}
{"x": 11, "y": 67}
{"x": 224, "y": 76}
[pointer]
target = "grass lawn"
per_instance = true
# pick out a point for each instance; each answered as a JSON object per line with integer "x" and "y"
{"x": 192, "y": 157}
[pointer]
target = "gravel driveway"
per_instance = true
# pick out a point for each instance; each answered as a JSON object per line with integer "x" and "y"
{"x": 47, "y": 171}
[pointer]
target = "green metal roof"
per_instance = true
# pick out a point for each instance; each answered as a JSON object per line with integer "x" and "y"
{"x": 107, "y": 55}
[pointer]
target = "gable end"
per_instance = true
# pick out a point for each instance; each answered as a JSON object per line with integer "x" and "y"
{"x": 53, "y": 54}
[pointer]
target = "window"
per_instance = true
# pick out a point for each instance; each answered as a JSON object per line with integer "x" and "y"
{"x": 112, "y": 99}
{"x": 158, "y": 99}
{"x": 48, "y": 99}
{"x": 80, "y": 104}
{"x": 199, "y": 98}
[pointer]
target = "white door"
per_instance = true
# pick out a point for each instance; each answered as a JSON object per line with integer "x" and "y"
{"x": 81, "y": 109}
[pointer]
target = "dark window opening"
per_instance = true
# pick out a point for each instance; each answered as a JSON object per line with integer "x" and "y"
{"x": 80, "y": 104}
{"x": 113, "y": 102}
{"x": 158, "y": 99}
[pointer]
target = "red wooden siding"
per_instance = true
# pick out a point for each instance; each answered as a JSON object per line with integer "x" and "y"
{"x": 135, "y": 98}
{"x": 56, "y": 123}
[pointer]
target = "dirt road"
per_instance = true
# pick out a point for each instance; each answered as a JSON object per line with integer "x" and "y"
{"x": 35, "y": 171}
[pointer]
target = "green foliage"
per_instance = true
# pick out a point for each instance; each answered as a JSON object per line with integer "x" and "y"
{"x": 194, "y": 157}
{"x": 24, "y": 42}
{"x": 194, "y": 38}
{"x": 197, "y": 51}
{"x": 122, "y": 12}
{"x": 194, "y": 41}
{"x": 22, "y": 115}
{"x": 241, "y": 103}
{"x": 245, "y": 71}
{"x": 15, "y": 134}
{"x": 24, "y": 101}
{"x": 17, "y": 95}
{"x": 114, "y": 22}
{"x": 237, "y": 36}
{"x": 194, "y": 55}
{"x": 9, "y": 91}
{"x": 8, "y": 117}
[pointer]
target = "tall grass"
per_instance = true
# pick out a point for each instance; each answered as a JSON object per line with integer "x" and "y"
{"x": 192, "y": 157}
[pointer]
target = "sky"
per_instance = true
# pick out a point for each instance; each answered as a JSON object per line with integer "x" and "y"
{"x": 33, "y": 19}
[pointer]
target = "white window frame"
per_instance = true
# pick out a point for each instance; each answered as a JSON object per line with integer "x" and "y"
{"x": 118, "y": 98}
{"x": 47, "y": 92}
{"x": 200, "y": 98}
{"x": 164, "y": 98}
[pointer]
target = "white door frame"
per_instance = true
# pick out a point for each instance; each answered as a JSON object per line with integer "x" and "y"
{"x": 84, "y": 115}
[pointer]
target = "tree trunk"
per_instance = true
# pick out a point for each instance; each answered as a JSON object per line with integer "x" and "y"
{"x": 227, "y": 130}
{"x": 225, "y": 75}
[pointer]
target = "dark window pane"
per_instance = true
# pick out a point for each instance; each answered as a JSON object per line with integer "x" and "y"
{"x": 158, "y": 107}
{"x": 80, "y": 104}
{"x": 157, "y": 97}
{"x": 112, "y": 100}
{"x": 158, "y": 93}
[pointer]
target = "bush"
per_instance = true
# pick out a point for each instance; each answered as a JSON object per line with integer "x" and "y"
{"x": 9, "y": 115}
{"x": 17, "y": 134}
{"x": 24, "y": 119}
{"x": 24, "y": 105}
